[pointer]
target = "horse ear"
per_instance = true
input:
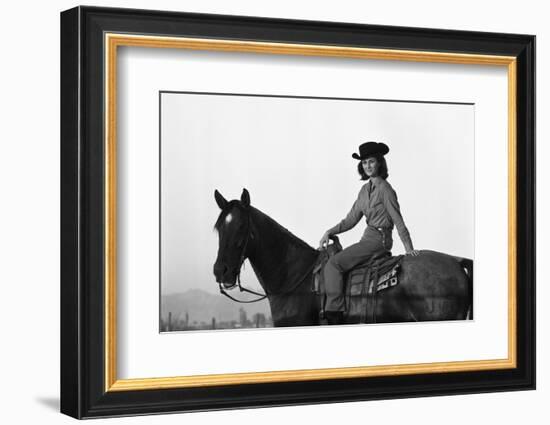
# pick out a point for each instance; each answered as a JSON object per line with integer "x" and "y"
{"x": 245, "y": 198}
{"x": 220, "y": 200}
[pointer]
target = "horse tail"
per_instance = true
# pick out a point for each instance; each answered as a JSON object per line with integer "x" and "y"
{"x": 468, "y": 267}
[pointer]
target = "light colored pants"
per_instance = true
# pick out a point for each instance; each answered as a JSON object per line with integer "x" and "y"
{"x": 370, "y": 244}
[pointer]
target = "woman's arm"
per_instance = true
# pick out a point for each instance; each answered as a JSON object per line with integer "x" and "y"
{"x": 351, "y": 219}
{"x": 392, "y": 207}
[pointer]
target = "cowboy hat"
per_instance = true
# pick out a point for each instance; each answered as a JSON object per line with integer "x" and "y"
{"x": 371, "y": 148}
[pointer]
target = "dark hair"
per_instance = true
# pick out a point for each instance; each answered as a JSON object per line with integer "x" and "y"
{"x": 382, "y": 168}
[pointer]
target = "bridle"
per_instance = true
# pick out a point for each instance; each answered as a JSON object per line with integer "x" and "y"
{"x": 250, "y": 291}
{"x": 241, "y": 263}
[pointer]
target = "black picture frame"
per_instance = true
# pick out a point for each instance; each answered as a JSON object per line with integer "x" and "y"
{"x": 83, "y": 393}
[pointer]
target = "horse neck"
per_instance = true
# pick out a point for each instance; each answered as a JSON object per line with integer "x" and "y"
{"x": 277, "y": 256}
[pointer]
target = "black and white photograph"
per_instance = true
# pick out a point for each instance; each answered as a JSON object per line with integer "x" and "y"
{"x": 291, "y": 211}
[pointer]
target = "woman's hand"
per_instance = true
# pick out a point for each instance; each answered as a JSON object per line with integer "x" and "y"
{"x": 323, "y": 243}
{"x": 413, "y": 252}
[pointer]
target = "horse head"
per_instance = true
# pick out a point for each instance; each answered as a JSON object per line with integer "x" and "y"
{"x": 233, "y": 227}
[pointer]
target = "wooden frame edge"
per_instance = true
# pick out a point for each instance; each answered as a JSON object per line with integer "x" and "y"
{"x": 114, "y": 40}
{"x": 306, "y": 375}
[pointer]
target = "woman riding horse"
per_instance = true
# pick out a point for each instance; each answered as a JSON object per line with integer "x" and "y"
{"x": 377, "y": 201}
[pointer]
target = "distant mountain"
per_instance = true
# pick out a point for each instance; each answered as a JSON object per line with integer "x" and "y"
{"x": 202, "y": 306}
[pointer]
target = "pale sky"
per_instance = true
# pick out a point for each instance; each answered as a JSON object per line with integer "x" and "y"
{"x": 294, "y": 157}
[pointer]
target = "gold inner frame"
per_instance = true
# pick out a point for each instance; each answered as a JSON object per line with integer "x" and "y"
{"x": 113, "y": 41}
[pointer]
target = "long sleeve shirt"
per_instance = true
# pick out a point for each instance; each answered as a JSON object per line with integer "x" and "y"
{"x": 377, "y": 201}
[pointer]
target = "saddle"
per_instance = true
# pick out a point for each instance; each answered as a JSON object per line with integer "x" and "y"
{"x": 361, "y": 284}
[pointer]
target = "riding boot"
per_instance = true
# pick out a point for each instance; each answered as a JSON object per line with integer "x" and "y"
{"x": 334, "y": 317}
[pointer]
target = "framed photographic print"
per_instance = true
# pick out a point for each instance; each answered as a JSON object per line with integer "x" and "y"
{"x": 261, "y": 212}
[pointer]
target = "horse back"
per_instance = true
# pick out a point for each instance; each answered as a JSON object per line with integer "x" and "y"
{"x": 428, "y": 287}
{"x": 433, "y": 286}
{"x": 432, "y": 270}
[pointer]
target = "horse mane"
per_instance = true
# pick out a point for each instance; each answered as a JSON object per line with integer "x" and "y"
{"x": 295, "y": 240}
{"x": 256, "y": 213}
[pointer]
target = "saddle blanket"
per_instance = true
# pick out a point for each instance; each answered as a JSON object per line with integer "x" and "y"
{"x": 363, "y": 285}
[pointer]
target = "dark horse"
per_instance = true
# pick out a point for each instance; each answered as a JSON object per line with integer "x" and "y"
{"x": 432, "y": 286}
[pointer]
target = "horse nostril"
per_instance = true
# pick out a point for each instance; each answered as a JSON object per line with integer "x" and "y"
{"x": 219, "y": 270}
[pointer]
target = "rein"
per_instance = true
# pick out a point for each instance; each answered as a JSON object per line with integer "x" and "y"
{"x": 243, "y": 289}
